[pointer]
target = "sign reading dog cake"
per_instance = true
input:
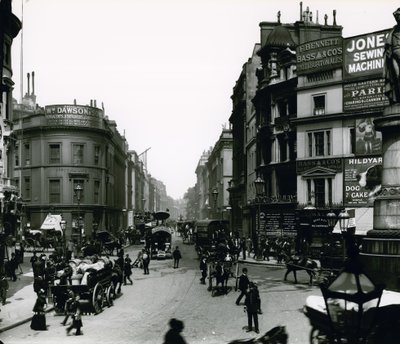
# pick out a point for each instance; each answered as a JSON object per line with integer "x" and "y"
{"x": 362, "y": 180}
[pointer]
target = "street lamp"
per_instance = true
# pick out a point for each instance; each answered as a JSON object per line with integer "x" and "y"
{"x": 215, "y": 196}
{"x": 352, "y": 302}
{"x": 344, "y": 219}
{"x": 78, "y": 191}
{"x": 259, "y": 186}
{"x": 63, "y": 225}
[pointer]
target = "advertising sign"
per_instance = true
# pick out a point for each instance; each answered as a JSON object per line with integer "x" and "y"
{"x": 368, "y": 141}
{"x": 304, "y": 165}
{"x": 363, "y": 55}
{"x": 74, "y": 115}
{"x": 365, "y": 96}
{"x": 362, "y": 180}
{"x": 322, "y": 54}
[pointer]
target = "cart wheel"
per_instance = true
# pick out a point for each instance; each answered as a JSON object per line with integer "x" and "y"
{"x": 318, "y": 337}
{"x": 110, "y": 295}
{"x": 97, "y": 298}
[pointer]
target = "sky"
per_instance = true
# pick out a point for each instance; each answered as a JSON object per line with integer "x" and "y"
{"x": 164, "y": 70}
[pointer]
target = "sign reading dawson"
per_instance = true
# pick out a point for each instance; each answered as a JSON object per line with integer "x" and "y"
{"x": 322, "y": 54}
{"x": 364, "y": 55}
{"x": 74, "y": 115}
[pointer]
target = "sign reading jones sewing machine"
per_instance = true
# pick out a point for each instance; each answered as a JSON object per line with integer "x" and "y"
{"x": 74, "y": 115}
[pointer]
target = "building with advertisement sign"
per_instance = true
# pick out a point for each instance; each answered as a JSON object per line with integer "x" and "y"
{"x": 69, "y": 159}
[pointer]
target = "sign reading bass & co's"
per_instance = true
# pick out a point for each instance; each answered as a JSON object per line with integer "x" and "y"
{"x": 74, "y": 115}
{"x": 322, "y": 54}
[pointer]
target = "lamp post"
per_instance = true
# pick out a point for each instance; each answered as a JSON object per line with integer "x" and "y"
{"x": 63, "y": 225}
{"x": 352, "y": 299}
{"x": 215, "y": 197}
{"x": 344, "y": 219}
{"x": 78, "y": 191}
{"x": 259, "y": 186}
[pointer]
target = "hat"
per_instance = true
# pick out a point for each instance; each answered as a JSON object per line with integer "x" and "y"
{"x": 176, "y": 324}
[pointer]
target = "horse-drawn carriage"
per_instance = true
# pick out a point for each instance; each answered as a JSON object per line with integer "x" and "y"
{"x": 97, "y": 281}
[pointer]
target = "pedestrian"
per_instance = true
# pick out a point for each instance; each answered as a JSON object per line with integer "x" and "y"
{"x": 13, "y": 265}
{"x": 203, "y": 269}
{"x": 251, "y": 306}
{"x": 76, "y": 317}
{"x": 243, "y": 285}
{"x": 70, "y": 249}
{"x": 244, "y": 248}
{"x": 33, "y": 259}
{"x": 3, "y": 288}
{"x": 173, "y": 335}
{"x": 259, "y": 311}
{"x": 38, "y": 322}
{"x": 69, "y": 307}
{"x": 177, "y": 256}
{"x": 146, "y": 262}
{"x": 127, "y": 269}
{"x": 249, "y": 244}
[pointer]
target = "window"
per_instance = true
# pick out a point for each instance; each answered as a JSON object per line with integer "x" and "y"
{"x": 282, "y": 149}
{"x": 54, "y": 191}
{"x": 77, "y": 151}
{"x": 96, "y": 192}
{"x": 319, "y": 143}
{"x": 353, "y": 140}
{"x": 27, "y": 154}
{"x": 319, "y": 192}
{"x": 319, "y": 104}
{"x": 27, "y": 188}
{"x": 54, "y": 153}
{"x": 96, "y": 155}
{"x": 16, "y": 155}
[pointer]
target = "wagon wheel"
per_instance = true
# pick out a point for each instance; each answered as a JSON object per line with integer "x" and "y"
{"x": 110, "y": 295}
{"x": 97, "y": 298}
{"x": 318, "y": 337}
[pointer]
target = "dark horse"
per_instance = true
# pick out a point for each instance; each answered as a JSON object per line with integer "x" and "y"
{"x": 295, "y": 263}
{"x": 221, "y": 273}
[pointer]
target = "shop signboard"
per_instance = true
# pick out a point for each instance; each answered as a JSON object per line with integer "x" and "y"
{"x": 362, "y": 180}
{"x": 363, "y": 55}
{"x": 322, "y": 54}
{"x": 74, "y": 115}
{"x": 365, "y": 96}
{"x": 332, "y": 163}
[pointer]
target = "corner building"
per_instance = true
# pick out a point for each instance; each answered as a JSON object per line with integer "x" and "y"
{"x": 59, "y": 147}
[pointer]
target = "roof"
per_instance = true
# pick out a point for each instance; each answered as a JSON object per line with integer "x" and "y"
{"x": 280, "y": 37}
{"x": 161, "y": 229}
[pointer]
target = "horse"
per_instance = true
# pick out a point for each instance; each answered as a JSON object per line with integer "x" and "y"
{"x": 295, "y": 263}
{"x": 222, "y": 272}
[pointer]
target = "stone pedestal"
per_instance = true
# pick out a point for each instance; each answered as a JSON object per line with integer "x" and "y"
{"x": 381, "y": 248}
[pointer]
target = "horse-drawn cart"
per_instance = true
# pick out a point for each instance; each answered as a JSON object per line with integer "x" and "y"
{"x": 95, "y": 283}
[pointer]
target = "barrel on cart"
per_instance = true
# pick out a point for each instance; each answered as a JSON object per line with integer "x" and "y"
{"x": 95, "y": 287}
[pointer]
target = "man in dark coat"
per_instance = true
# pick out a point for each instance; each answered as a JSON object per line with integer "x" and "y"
{"x": 173, "y": 336}
{"x": 252, "y": 303}
{"x": 177, "y": 256}
{"x": 243, "y": 285}
{"x": 203, "y": 269}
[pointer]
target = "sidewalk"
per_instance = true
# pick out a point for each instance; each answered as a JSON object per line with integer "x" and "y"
{"x": 250, "y": 260}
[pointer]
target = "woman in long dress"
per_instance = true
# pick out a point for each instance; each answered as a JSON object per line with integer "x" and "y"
{"x": 38, "y": 322}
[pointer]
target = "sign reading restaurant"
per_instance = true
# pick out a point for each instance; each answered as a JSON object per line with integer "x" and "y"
{"x": 319, "y": 55}
{"x": 364, "y": 55}
{"x": 74, "y": 115}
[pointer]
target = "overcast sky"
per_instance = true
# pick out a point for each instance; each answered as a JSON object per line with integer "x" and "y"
{"x": 164, "y": 70}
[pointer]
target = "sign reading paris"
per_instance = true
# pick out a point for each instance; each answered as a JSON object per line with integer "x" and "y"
{"x": 74, "y": 115}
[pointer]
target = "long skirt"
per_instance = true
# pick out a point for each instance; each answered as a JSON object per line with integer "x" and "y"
{"x": 38, "y": 322}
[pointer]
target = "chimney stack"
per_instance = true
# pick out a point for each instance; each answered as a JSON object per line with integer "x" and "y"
{"x": 301, "y": 10}
{"x": 33, "y": 83}
{"x": 28, "y": 76}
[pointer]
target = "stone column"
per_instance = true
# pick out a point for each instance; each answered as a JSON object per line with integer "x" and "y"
{"x": 381, "y": 248}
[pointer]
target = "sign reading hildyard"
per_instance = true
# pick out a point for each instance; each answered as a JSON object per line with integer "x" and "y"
{"x": 322, "y": 54}
{"x": 74, "y": 115}
{"x": 364, "y": 55}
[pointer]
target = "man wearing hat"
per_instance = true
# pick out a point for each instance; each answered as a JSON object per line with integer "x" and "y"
{"x": 392, "y": 62}
{"x": 252, "y": 303}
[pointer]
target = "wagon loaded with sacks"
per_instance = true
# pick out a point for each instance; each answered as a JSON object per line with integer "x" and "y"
{"x": 95, "y": 280}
